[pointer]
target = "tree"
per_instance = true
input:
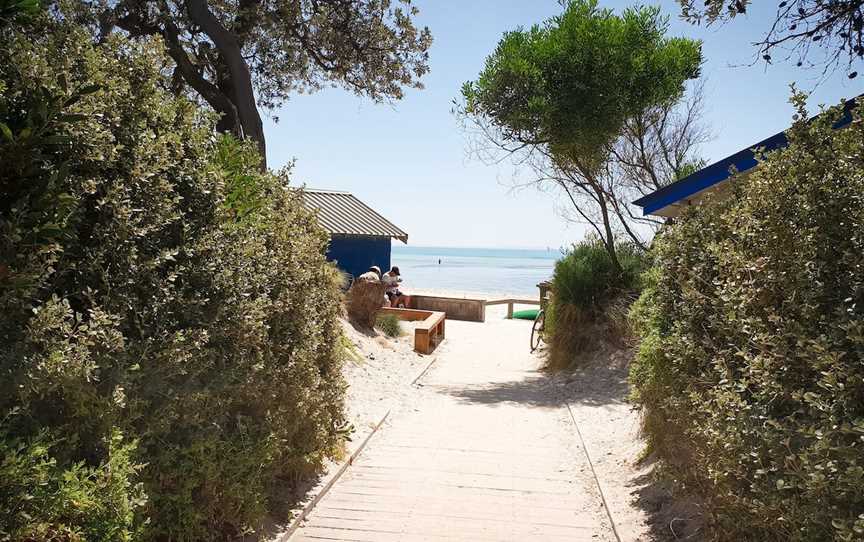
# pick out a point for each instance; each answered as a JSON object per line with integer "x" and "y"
{"x": 230, "y": 52}
{"x": 561, "y": 94}
{"x": 657, "y": 147}
{"x": 836, "y": 26}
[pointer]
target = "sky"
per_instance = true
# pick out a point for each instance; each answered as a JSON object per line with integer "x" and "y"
{"x": 409, "y": 159}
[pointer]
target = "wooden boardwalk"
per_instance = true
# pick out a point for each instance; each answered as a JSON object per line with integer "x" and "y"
{"x": 487, "y": 453}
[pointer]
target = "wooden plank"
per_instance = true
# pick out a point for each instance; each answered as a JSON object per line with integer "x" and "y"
{"x": 468, "y": 529}
{"x": 434, "y": 320}
{"x": 428, "y": 333}
{"x": 412, "y": 315}
{"x": 421, "y": 342}
{"x": 456, "y": 308}
{"x": 514, "y": 301}
{"x": 328, "y": 484}
{"x": 462, "y": 510}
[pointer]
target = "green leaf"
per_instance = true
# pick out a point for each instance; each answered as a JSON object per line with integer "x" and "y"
{"x": 6, "y": 132}
{"x": 89, "y": 89}
{"x": 71, "y": 117}
{"x": 57, "y": 140}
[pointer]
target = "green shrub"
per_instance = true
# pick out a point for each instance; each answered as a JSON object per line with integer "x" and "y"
{"x": 152, "y": 282}
{"x": 586, "y": 286}
{"x": 751, "y": 365}
{"x": 587, "y": 278}
{"x": 389, "y": 324}
{"x": 43, "y": 501}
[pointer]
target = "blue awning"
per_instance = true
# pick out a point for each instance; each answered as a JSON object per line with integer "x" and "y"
{"x": 664, "y": 202}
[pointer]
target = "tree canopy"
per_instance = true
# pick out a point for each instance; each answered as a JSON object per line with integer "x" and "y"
{"x": 238, "y": 55}
{"x": 572, "y": 82}
{"x": 834, "y": 26}
{"x": 561, "y": 94}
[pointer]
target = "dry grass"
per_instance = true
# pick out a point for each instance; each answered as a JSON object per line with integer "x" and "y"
{"x": 578, "y": 334}
{"x": 365, "y": 299}
{"x": 389, "y": 325}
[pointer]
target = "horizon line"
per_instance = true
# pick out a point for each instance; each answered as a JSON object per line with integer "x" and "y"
{"x": 549, "y": 248}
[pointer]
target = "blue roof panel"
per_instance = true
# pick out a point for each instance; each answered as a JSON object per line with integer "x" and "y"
{"x": 708, "y": 176}
{"x": 720, "y": 171}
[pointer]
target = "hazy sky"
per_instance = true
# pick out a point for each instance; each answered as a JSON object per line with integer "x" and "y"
{"x": 408, "y": 159}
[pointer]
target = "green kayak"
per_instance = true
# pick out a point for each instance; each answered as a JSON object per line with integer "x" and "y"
{"x": 528, "y": 314}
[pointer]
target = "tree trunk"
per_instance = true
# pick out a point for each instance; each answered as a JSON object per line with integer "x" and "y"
{"x": 237, "y": 84}
{"x": 616, "y": 206}
{"x": 213, "y": 95}
{"x": 607, "y": 226}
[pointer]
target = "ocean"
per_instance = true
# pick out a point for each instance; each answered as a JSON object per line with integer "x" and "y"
{"x": 486, "y": 271}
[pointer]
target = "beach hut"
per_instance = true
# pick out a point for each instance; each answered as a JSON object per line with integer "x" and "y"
{"x": 359, "y": 236}
{"x": 710, "y": 182}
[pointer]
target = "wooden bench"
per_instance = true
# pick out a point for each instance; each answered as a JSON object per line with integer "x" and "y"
{"x": 428, "y": 333}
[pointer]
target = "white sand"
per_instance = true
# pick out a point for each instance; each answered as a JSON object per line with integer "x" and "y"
{"x": 465, "y": 294}
{"x": 379, "y": 379}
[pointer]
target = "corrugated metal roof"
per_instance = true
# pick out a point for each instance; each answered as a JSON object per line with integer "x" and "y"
{"x": 340, "y": 213}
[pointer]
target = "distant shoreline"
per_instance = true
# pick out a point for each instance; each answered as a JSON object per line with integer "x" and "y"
{"x": 488, "y": 252}
{"x": 409, "y": 246}
{"x": 487, "y": 296}
{"x": 474, "y": 273}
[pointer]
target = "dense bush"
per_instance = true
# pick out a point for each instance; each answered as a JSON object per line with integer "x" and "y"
{"x": 586, "y": 276}
{"x": 155, "y": 287}
{"x": 751, "y": 366}
{"x": 364, "y": 300}
{"x": 586, "y": 286}
{"x": 45, "y": 501}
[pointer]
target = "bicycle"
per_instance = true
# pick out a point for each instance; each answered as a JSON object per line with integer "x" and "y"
{"x": 537, "y": 330}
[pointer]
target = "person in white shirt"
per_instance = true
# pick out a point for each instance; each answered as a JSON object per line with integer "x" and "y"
{"x": 391, "y": 280}
{"x": 374, "y": 274}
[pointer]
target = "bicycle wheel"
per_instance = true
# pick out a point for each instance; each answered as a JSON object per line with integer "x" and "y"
{"x": 537, "y": 330}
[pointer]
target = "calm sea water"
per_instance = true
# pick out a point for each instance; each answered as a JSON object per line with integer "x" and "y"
{"x": 474, "y": 270}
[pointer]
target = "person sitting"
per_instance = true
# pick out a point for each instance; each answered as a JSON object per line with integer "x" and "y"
{"x": 391, "y": 280}
{"x": 372, "y": 275}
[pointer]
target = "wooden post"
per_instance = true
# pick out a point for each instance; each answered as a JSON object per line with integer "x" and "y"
{"x": 510, "y": 303}
{"x": 421, "y": 342}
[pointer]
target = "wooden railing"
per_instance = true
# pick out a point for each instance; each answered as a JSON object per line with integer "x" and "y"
{"x": 511, "y": 302}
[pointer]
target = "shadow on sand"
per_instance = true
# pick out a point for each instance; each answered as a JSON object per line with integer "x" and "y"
{"x": 596, "y": 385}
{"x": 671, "y": 517}
{"x": 603, "y": 382}
{"x": 536, "y": 389}
{"x": 286, "y": 498}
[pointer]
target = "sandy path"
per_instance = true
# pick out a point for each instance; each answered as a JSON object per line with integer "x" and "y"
{"x": 488, "y": 452}
{"x": 379, "y": 375}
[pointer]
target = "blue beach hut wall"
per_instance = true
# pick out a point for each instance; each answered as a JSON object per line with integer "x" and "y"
{"x": 359, "y": 236}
